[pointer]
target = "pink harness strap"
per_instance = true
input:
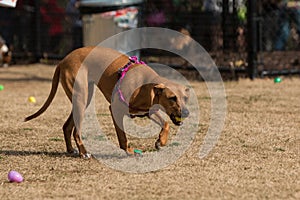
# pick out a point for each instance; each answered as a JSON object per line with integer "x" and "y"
{"x": 122, "y": 72}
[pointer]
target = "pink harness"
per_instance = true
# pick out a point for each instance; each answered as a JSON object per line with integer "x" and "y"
{"x": 122, "y": 72}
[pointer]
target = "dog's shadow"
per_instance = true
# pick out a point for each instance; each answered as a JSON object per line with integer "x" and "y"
{"x": 60, "y": 154}
{"x": 32, "y": 153}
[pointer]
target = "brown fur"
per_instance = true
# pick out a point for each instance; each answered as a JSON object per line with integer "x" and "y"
{"x": 172, "y": 97}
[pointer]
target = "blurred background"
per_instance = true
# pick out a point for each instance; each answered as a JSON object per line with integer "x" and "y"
{"x": 254, "y": 38}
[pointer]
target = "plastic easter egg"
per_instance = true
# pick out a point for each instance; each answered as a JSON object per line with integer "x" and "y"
{"x": 32, "y": 99}
{"x": 277, "y": 80}
{"x": 14, "y": 176}
{"x": 179, "y": 119}
{"x": 137, "y": 151}
{"x": 1, "y": 87}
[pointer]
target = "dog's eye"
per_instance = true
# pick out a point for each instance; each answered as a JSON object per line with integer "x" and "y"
{"x": 174, "y": 98}
{"x": 185, "y": 99}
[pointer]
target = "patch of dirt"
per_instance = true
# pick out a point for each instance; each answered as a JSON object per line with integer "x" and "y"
{"x": 256, "y": 157}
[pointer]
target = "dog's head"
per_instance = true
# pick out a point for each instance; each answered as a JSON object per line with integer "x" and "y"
{"x": 173, "y": 98}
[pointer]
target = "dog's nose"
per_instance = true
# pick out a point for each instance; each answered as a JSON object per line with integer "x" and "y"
{"x": 185, "y": 113}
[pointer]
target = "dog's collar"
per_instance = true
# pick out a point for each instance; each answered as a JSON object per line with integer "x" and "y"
{"x": 122, "y": 72}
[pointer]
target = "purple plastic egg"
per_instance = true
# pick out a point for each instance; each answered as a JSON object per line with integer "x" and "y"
{"x": 14, "y": 176}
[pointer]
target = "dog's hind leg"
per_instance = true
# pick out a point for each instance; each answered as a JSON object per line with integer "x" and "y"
{"x": 78, "y": 140}
{"x": 68, "y": 129}
{"x": 82, "y": 95}
{"x": 77, "y": 130}
{"x": 77, "y": 134}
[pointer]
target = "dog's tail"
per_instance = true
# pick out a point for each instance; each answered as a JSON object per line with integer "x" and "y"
{"x": 55, "y": 82}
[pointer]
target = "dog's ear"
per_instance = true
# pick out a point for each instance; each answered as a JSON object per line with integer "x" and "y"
{"x": 158, "y": 89}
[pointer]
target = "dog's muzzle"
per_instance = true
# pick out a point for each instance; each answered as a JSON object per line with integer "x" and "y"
{"x": 178, "y": 120}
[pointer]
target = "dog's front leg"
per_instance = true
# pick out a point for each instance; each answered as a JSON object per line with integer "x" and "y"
{"x": 164, "y": 133}
{"x": 118, "y": 123}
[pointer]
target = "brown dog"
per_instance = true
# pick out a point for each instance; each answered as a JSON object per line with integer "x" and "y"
{"x": 136, "y": 99}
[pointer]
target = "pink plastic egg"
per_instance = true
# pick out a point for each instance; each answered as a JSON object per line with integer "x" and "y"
{"x": 14, "y": 176}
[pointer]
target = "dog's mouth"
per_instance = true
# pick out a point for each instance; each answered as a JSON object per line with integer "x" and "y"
{"x": 176, "y": 120}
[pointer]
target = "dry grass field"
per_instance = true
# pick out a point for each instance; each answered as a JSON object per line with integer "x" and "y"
{"x": 257, "y": 155}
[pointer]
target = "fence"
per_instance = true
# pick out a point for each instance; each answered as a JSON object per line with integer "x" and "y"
{"x": 278, "y": 30}
{"x": 37, "y": 29}
{"x": 256, "y": 37}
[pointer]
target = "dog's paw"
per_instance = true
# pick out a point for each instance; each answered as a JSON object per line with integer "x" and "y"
{"x": 86, "y": 156}
{"x": 157, "y": 145}
{"x": 130, "y": 151}
{"x": 133, "y": 152}
{"x": 73, "y": 152}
